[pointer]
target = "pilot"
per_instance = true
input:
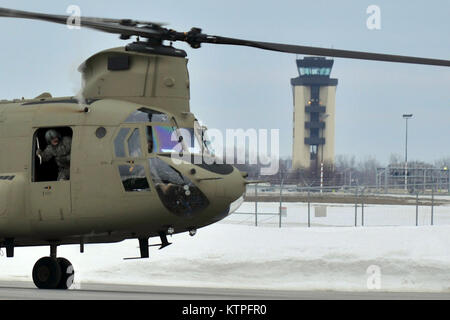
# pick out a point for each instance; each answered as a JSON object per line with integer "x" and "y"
{"x": 59, "y": 148}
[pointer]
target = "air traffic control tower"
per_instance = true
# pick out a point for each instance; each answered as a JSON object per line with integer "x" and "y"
{"x": 314, "y": 113}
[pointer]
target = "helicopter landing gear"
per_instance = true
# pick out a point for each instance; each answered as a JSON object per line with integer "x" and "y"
{"x": 47, "y": 273}
{"x": 53, "y": 273}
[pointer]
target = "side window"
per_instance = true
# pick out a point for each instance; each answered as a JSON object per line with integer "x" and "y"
{"x": 52, "y": 150}
{"x": 133, "y": 178}
{"x": 127, "y": 143}
{"x": 134, "y": 144}
{"x": 119, "y": 143}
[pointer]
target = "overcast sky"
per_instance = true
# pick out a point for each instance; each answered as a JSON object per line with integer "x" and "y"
{"x": 233, "y": 87}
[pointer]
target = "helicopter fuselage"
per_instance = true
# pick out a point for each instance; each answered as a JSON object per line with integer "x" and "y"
{"x": 119, "y": 187}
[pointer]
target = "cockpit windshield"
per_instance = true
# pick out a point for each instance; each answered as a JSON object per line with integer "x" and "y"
{"x": 202, "y": 132}
{"x": 164, "y": 139}
{"x": 207, "y": 145}
{"x": 195, "y": 140}
{"x": 190, "y": 140}
{"x": 172, "y": 139}
{"x": 165, "y": 136}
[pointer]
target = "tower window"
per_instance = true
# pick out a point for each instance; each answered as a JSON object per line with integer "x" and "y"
{"x": 314, "y": 71}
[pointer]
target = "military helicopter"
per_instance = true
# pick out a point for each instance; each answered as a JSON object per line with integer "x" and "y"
{"x": 124, "y": 182}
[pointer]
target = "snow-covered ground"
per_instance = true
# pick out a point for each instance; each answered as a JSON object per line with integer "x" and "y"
{"x": 236, "y": 255}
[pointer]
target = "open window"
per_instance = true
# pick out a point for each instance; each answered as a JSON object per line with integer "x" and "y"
{"x": 53, "y": 161}
{"x": 127, "y": 144}
{"x": 133, "y": 178}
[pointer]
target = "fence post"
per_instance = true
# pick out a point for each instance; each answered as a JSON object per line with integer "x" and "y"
{"x": 432, "y": 205}
{"x": 362, "y": 207}
{"x": 385, "y": 180}
{"x": 281, "y": 201}
{"x": 256, "y": 205}
{"x": 309, "y": 208}
{"x": 417, "y": 209}
{"x": 424, "y": 180}
{"x": 356, "y": 206}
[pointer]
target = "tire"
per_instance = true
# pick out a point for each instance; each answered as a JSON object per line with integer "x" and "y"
{"x": 67, "y": 274}
{"x": 47, "y": 273}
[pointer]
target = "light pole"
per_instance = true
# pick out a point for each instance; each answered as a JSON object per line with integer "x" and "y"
{"x": 406, "y": 117}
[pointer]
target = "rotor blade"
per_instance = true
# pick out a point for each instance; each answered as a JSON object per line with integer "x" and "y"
{"x": 315, "y": 51}
{"x": 122, "y": 21}
{"x": 129, "y": 28}
{"x": 101, "y": 24}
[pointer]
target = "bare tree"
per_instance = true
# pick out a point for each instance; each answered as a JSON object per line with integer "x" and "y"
{"x": 395, "y": 159}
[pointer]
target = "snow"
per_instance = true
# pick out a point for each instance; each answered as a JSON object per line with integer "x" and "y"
{"x": 235, "y": 254}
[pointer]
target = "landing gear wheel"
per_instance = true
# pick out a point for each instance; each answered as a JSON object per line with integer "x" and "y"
{"x": 67, "y": 274}
{"x": 47, "y": 273}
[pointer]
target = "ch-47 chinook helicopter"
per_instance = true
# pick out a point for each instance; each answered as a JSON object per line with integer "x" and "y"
{"x": 123, "y": 182}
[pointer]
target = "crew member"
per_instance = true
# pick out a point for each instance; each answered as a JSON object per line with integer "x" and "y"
{"x": 58, "y": 148}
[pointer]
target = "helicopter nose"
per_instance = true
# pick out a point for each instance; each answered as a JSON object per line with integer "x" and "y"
{"x": 234, "y": 186}
{"x": 222, "y": 181}
{"x": 224, "y": 186}
{"x": 230, "y": 192}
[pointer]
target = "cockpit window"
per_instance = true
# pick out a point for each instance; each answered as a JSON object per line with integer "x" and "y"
{"x": 172, "y": 139}
{"x": 207, "y": 144}
{"x": 191, "y": 143}
{"x": 148, "y": 115}
{"x": 177, "y": 192}
{"x": 134, "y": 144}
{"x": 202, "y": 136}
{"x": 149, "y": 132}
{"x": 165, "y": 139}
{"x": 119, "y": 142}
{"x": 133, "y": 178}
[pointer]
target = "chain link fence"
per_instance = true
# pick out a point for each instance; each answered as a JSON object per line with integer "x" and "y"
{"x": 292, "y": 206}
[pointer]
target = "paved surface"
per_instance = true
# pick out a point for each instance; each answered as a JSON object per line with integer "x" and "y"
{"x": 26, "y": 290}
